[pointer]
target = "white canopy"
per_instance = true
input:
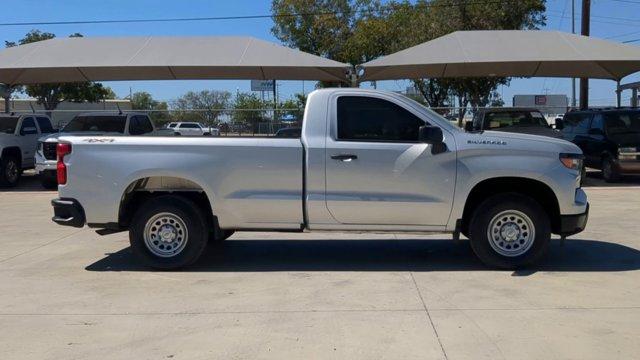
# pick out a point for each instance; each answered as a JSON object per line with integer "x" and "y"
{"x": 161, "y": 58}
{"x": 508, "y": 53}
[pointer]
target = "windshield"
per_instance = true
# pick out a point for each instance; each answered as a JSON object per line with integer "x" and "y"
{"x": 623, "y": 123}
{"x": 8, "y": 124}
{"x": 113, "y": 124}
{"x": 501, "y": 119}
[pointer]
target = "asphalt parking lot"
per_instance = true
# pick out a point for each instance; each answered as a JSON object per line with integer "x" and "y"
{"x": 70, "y": 294}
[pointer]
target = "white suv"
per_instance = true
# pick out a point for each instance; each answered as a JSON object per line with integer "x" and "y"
{"x": 189, "y": 129}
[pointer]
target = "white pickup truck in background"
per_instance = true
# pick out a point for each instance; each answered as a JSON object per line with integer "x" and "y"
{"x": 366, "y": 161}
{"x": 98, "y": 123}
{"x": 18, "y": 142}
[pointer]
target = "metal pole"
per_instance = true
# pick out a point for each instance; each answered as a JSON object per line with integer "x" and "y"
{"x": 634, "y": 97}
{"x": 573, "y": 31}
{"x": 584, "y": 82}
{"x": 618, "y": 93}
{"x": 5, "y": 92}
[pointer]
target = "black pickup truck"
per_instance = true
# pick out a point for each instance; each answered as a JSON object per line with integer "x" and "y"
{"x": 516, "y": 120}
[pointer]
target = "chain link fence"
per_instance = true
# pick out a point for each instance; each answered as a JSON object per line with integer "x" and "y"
{"x": 250, "y": 122}
{"x": 228, "y": 122}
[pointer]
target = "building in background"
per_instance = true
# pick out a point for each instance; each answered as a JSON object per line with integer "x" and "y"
{"x": 549, "y": 105}
{"x": 66, "y": 110}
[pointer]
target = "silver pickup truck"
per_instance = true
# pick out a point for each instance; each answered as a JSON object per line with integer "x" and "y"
{"x": 366, "y": 161}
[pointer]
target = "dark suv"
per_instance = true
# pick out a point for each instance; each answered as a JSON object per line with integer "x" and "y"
{"x": 609, "y": 139}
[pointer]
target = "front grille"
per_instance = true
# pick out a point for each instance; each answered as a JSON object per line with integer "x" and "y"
{"x": 49, "y": 150}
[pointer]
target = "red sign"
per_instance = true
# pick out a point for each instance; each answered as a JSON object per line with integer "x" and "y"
{"x": 541, "y": 100}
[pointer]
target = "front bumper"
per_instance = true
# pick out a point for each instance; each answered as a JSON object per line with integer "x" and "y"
{"x": 43, "y": 164}
{"x": 573, "y": 224}
{"x": 628, "y": 166}
{"x": 68, "y": 212}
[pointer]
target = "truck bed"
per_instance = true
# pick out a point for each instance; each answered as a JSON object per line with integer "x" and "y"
{"x": 250, "y": 182}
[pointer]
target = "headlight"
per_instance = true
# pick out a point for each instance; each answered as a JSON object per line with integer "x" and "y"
{"x": 572, "y": 161}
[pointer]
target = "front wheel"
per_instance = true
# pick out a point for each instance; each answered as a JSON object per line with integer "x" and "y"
{"x": 9, "y": 171}
{"x": 168, "y": 232}
{"x": 510, "y": 231}
{"x": 609, "y": 172}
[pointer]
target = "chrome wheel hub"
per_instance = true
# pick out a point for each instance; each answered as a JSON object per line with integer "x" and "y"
{"x": 11, "y": 171}
{"x": 165, "y": 235}
{"x": 511, "y": 233}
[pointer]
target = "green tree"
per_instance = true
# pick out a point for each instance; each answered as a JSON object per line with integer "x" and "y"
{"x": 358, "y": 31}
{"x": 249, "y": 109}
{"x": 158, "y": 110}
{"x": 205, "y": 106}
{"x": 51, "y": 95}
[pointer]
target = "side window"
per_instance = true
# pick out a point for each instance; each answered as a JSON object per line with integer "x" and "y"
{"x": 28, "y": 127}
{"x": 45, "y": 125}
{"x": 370, "y": 119}
{"x": 598, "y": 122}
{"x": 570, "y": 121}
{"x": 584, "y": 124}
{"x": 189, "y": 126}
{"x": 145, "y": 124}
{"x": 135, "y": 128}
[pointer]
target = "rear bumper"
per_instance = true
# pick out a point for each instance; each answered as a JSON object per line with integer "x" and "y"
{"x": 68, "y": 212}
{"x": 573, "y": 224}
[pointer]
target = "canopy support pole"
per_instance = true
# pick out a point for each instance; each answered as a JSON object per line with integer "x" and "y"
{"x": 5, "y": 92}
{"x": 618, "y": 93}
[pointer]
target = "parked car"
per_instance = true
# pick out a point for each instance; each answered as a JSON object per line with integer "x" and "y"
{"x": 609, "y": 139}
{"x": 18, "y": 142}
{"x": 190, "y": 129}
{"x": 290, "y": 132}
{"x": 367, "y": 161}
{"x": 517, "y": 120}
{"x": 100, "y": 123}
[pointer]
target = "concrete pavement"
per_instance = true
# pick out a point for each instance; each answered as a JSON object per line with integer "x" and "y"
{"x": 71, "y": 294}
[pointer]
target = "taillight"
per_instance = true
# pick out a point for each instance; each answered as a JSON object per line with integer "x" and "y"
{"x": 61, "y": 150}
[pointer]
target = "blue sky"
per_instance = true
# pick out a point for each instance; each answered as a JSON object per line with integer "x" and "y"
{"x": 617, "y": 20}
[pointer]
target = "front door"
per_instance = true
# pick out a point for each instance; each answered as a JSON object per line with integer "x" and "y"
{"x": 378, "y": 173}
{"x": 28, "y": 138}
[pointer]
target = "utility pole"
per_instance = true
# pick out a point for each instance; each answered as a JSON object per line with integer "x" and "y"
{"x": 584, "y": 82}
{"x": 573, "y": 31}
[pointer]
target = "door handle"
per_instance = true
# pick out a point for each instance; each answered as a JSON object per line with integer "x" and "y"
{"x": 344, "y": 157}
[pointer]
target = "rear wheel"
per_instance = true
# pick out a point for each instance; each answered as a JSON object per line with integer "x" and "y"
{"x": 509, "y": 231}
{"x": 168, "y": 232}
{"x": 9, "y": 171}
{"x": 609, "y": 171}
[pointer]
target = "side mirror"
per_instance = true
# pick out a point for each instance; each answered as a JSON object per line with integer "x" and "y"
{"x": 430, "y": 135}
{"x": 468, "y": 126}
{"x": 559, "y": 124}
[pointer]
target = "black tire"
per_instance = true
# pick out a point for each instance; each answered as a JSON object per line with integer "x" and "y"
{"x": 484, "y": 216}
{"x": 193, "y": 220}
{"x": 48, "y": 183}
{"x": 10, "y": 171}
{"x": 610, "y": 173}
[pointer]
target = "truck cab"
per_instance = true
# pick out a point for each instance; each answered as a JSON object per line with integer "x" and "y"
{"x": 18, "y": 142}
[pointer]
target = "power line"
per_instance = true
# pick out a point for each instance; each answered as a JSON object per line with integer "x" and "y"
{"x": 630, "y": 41}
{"x": 239, "y": 17}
